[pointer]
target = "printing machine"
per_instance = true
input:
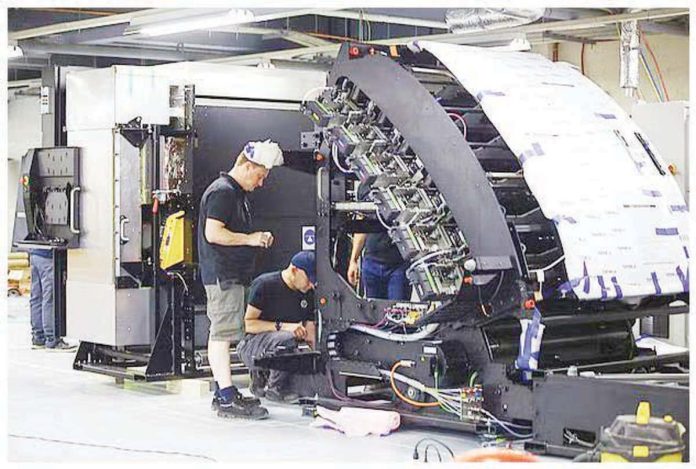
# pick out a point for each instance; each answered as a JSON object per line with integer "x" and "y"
{"x": 508, "y": 329}
{"x": 502, "y": 333}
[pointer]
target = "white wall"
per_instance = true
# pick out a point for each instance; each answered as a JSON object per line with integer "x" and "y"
{"x": 23, "y": 132}
{"x": 602, "y": 66}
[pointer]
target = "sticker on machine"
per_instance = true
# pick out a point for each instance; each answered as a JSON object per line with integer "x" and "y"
{"x": 308, "y": 238}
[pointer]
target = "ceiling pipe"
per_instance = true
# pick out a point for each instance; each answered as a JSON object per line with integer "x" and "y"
{"x": 378, "y": 18}
{"x": 36, "y": 47}
{"x": 464, "y": 20}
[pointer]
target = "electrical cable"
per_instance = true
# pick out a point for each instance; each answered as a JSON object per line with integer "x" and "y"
{"x": 404, "y": 398}
{"x": 334, "y": 156}
{"x": 504, "y": 425}
{"x": 117, "y": 448}
{"x": 381, "y": 220}
{"x": 651, "y": 78}
{"x": 573, "y": 438}
{"x": 182, "y": 281}
{"x": 553, "y": 264}
{"x": 460, "y": 119}
{"x": 657, "y": 65}
{"x": 304, "y": 98}
{"x": 433, "y": 443}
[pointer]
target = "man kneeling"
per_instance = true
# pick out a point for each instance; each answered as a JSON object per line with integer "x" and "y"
{"x": 279, "y": 314}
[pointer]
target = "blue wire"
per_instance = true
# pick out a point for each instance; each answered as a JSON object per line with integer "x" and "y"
{"x": 660, "y": 92}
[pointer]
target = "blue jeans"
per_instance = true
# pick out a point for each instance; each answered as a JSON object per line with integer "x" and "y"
{"x": 385, "y": 281}
{"x": 43, "y": 322}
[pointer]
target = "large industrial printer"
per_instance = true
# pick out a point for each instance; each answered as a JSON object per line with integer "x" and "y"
{"x": 539, "y": 222}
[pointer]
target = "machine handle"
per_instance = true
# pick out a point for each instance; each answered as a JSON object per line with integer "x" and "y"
{"x": 73, "y": 191}
{"x": 319, "y": 188}
{"x": 122, "y": 229}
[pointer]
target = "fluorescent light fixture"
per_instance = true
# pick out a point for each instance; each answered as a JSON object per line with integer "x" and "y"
{"x": 236, "y": 16}
{"x": 14, "y": 51}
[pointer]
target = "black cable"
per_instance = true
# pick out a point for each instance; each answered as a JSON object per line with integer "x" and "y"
{"x": 437, "y": 450}
{"x": 437, "y": 442}
{"x": 118, "y": 448}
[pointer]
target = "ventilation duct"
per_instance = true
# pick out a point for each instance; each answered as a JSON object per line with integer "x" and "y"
{"x": 486, "y": 19}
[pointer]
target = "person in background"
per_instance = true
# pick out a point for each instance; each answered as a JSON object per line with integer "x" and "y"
{"x": 42, "y": 318}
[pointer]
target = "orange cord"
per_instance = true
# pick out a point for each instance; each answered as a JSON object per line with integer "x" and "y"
{"x": 404, "y": 398}
{"x": 657, "y": 66}
{"x": 495, "y": 454}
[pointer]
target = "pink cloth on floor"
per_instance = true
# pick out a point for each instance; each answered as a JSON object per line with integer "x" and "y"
{"x": 358, "y": 422}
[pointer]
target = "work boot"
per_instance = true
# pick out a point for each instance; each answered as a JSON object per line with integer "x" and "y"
{"x": 257, "y": 386}
{"x": 248, "y": 401}
{"x": 277, "y": 395}
{"x": 237, "y": 409}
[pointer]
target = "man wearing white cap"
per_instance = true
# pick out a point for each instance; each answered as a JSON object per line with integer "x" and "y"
{"x": 226, "y": 251}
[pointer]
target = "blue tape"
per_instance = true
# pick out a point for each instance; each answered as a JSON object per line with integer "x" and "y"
{"x": 586, "y": 286}
{"x": 619, "y": 293}
{"x": 605, "y": 116}
{"x": 678, "y": 208}
{"x": 650, "y": 193}
{"x": 684, "y": 279}
{"x": 600, "y": 280}
{"x": 526, "y": 354}
{"x": 658, "y": 290}
{"x": 666, "y": 231}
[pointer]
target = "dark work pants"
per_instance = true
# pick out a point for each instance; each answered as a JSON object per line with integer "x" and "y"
{"x": 257, "y": 345}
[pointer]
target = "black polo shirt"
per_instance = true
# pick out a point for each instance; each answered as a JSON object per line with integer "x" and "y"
{"x": 278, "y": 302}
{"x": 226, "y": 201}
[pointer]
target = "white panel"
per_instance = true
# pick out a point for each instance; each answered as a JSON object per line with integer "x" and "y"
{"x": 667, "y": 126}
{"x": 89, "y": 97}
{"x": 90, "y": 311}
{"x": 623, "y": 226}
{"x": 92, "y": 262}
{"x": 221, "y": 80}
{"x": 141, "y": 92}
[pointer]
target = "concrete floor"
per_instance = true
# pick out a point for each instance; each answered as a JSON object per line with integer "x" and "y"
{"x": 57, "y": 414}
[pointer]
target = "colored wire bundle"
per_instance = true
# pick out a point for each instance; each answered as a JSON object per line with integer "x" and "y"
{"x": 450, "y": 400}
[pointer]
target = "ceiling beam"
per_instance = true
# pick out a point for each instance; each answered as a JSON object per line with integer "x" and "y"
{"x": 568, "y": 38}
{"x": 59, "y": 28}
{"x": 32, "y": 47}
{"x": 379, "y": 18}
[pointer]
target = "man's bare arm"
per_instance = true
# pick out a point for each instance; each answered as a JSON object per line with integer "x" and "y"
{"x": 216, "y": 233}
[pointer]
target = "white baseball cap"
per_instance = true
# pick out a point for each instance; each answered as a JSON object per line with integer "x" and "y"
{"x": 265, "y": 153}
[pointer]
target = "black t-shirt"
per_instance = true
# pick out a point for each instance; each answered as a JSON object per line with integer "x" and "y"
{"x": 226, "y": 201}
{"x": 379, "y": 246}
{"x": 278, "y": 302}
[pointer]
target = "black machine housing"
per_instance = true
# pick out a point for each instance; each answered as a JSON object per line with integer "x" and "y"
{"x": 386, "y": 121}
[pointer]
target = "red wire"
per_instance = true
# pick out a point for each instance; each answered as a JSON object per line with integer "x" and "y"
{"x": 657, "y": 66}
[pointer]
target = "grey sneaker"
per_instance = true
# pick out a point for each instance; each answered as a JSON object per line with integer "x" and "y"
{"x": 60, "y": 346}
{"x": 276, "y": 395}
